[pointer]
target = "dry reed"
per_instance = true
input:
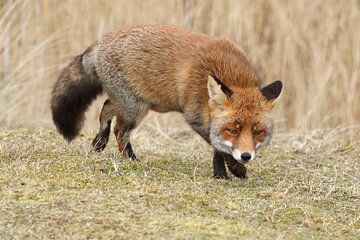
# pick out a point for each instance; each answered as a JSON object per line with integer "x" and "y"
{"x": 313, "y": 46}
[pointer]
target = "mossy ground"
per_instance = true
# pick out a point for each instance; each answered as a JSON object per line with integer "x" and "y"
{"x": 50, "y": 189}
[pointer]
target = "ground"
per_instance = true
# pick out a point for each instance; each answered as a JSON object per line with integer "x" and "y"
{"x": 299, "y": 190}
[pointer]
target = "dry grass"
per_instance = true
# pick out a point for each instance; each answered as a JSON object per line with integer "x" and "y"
{"x": 49, "y": 189}
{"x": 313, "y": 46}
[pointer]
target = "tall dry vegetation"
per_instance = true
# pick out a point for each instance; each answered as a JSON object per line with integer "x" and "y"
{"x": 312, "y": 45}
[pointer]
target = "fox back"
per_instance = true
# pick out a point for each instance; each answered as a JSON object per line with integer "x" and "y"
{"x": 163, "y": 63}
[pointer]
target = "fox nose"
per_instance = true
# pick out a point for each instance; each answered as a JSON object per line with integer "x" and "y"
{"x": 245, "y": 156}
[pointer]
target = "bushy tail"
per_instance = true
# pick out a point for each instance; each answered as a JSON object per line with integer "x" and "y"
{"x": 71, "y": 96}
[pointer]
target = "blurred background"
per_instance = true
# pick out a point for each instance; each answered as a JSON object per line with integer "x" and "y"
{"x": 313, "y": 46}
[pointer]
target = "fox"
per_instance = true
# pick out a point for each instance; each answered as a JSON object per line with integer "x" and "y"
{"x": 164, "y": 68}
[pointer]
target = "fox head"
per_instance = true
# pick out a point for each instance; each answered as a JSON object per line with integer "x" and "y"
{"x": 240, "y": 124}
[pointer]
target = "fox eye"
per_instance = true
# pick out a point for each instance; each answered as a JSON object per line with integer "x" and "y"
{"x": 233, "y": 131}
{"x": 257, "y": 132}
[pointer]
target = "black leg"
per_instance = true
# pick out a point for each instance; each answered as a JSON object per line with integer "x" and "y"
{"x": 219, "y": 166}
{"x": 130, "y": 152}
{"x": 237, "y": 168}
{"x": 102, "y": 138}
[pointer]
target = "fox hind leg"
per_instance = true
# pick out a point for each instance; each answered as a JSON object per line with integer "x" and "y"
{"x": 122, "y": 134}
{"x": 123, "y": 128}
{"x": 102, "y": 137}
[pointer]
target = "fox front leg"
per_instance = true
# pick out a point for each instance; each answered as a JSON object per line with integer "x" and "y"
{"x": 235, "y": 167}
{"x": 219, "y": 166}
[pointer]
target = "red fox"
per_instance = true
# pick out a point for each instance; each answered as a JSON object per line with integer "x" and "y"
{"x": 166, "y": 68}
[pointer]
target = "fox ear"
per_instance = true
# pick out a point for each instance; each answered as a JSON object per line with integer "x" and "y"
{"x": 272, "y": 91}
{"x": 218, "y": 91}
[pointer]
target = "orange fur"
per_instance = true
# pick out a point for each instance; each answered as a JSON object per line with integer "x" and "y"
{"x": 168, "y": 66}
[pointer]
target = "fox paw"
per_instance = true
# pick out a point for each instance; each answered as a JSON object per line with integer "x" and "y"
{"x": 99, "y": 143}
{"x": 221, "y": 176}
{"x": 132, "y": 157}
{"x": 238, "y": 170}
